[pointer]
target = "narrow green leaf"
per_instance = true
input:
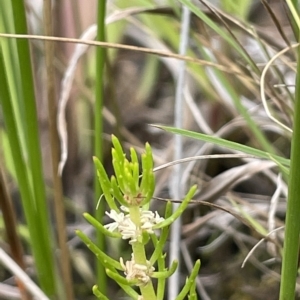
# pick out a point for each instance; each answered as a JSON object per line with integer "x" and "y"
{"x": 100, "y": 227}
{"x": 133, "y": 156}
{"x": 120, "y": 279}
{"x": 179, "y": 210}
{"x": 159, "y": 245}
{"x": 98, "y": 129}
{"x": 117, "y": 193}
{"x": 161, "y": 282}
{"x": 168, "y": 273}
{"x": 190, "y": 281}
{"x": 119, "y": 172}
{"x": 290, "y": 267}
{"x": 130, "y": 183}
{"x": 135, "y": 175}
{"x": 105, "y": 260}
{"x": 225, "y": 143}
{"x": 98, "y": 294}
{"x": 124, "y": 284}
{"x": 40, "y": 244}
{"x": 219, "y": 30}
{"x": 105, "y": 184}
{"x": 168, "y": 209}
{"x": 119, "y": 153}
{"x": 149, "y": 155}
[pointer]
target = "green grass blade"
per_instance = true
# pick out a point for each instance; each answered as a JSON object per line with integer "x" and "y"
{"x": 11, "y": 64}
{"x": 31, "y": 213}
{"x": 40, "y": 239}
{"x": 254, "y": 131}
{"x": 226, "y": 144}
{"x": 218, "y": 29}
{"x": 98, "y": 143}
{"x": 239, "y": 9}
{"x": 292, "y": 224}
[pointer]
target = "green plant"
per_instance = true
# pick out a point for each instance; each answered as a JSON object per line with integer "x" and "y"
{"x": 230, "y": 65}
{"x": 128, "y": 196}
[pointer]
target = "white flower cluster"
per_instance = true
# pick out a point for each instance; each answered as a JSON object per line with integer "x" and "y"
{"x": 127, "y": 228}
{"x": 134, "y": 271}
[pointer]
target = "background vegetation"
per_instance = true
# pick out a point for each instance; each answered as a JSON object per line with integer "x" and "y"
{"x": 61, "y": 100}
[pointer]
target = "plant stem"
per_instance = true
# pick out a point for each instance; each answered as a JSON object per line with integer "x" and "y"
{"x": 41, "y": 243}
{"x": 138, "y": 250}
{"x": 292, "y": 224}
{"x": 98, "y": 144}
{"x": 64, "y": 258}
{"x": 147, "y": 291}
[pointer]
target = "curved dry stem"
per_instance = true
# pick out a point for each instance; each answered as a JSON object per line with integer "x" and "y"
{"x": 262, "y": 86}
{"x": 261, "y": 241}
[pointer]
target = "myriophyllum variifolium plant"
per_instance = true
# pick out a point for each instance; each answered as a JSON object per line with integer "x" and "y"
{"x": 128, "y": 195}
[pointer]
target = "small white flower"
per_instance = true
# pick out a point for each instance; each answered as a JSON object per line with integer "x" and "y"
{"x": 149, "y": 216}
{"x": 134, "y": 271}
{"x": 127, "y": 228}
{"x": 124, "y": 208}
{"x": 158, "y": 219}
{"x": 148, "y": 227}
{"x": 119, "y": 218}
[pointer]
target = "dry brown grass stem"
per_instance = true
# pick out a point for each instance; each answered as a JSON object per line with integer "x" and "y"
{"x": 226, "y": 69}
